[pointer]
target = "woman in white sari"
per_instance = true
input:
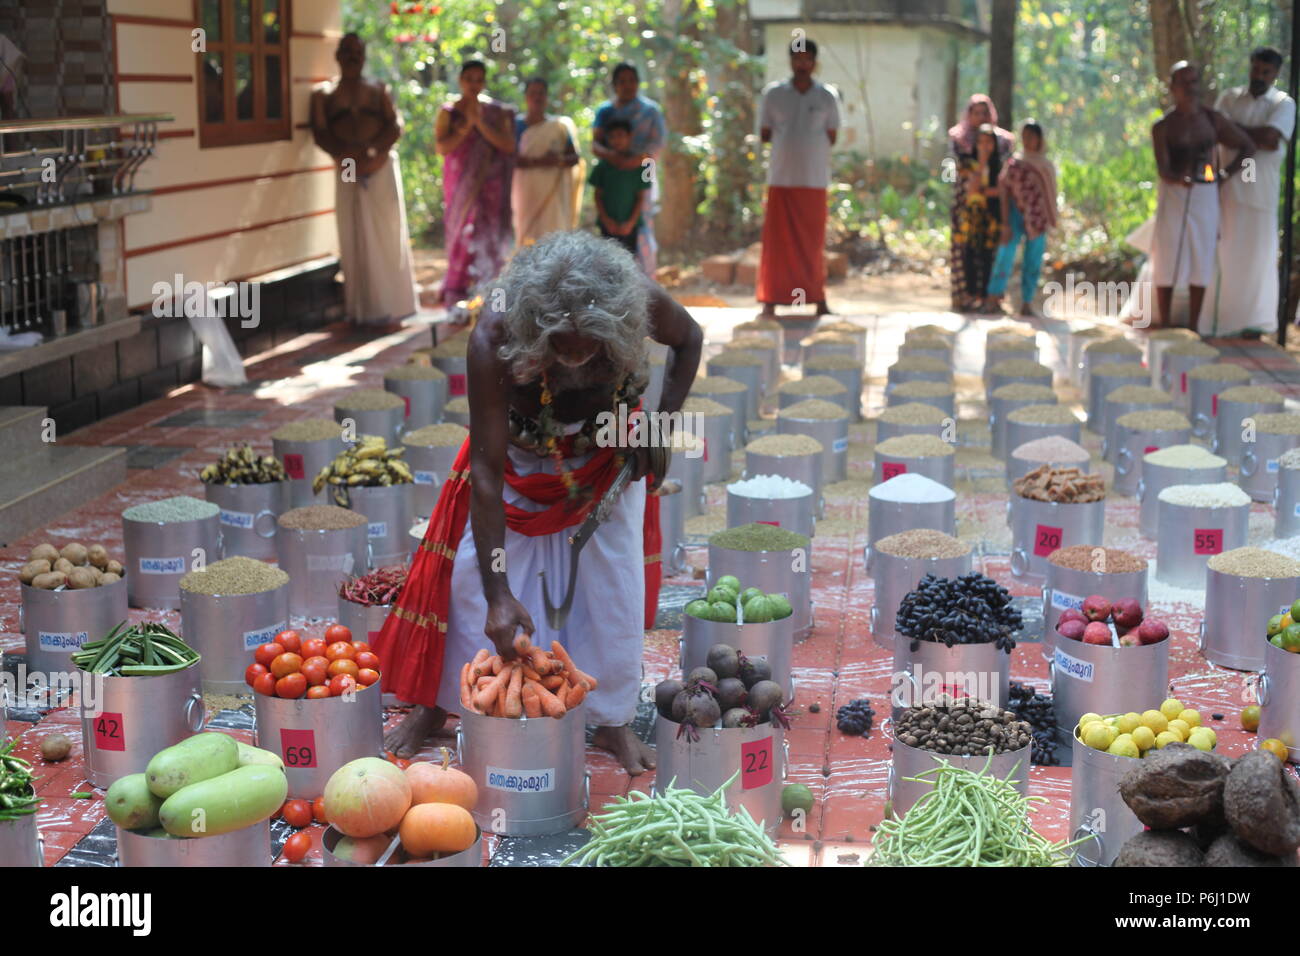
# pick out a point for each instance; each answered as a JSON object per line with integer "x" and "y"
{"x": 546, "y": 194}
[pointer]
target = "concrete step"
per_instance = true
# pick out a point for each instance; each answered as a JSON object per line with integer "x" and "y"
{"x": 20, "y": 429}
{"x": 51, "y": 480}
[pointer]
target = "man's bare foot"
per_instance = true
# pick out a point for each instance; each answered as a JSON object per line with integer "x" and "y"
{"x": 406, "y": 739}
{"x": 823, "y": 308}
{"x": 769, "y": 311}
{"x": 636, "y": 756}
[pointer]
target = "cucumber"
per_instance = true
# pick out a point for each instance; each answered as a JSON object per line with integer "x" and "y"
{"x": 198, "y": 758}
{"x": 131, "y": 804}
{"x": 250, "y": 755}
{"x": 232, "y": 801}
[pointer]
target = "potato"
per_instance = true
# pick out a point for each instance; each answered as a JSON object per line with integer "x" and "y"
{"x": 64, "y": 565}
{"x": 109, "y": 578}
{"x": 99, "y": 575}
{"x": 98, "y": 556}
{"x": 44, "y": 552}
{"x": 32, "y": 569}
{"x": 49, "y": 581}
{"x": 75, "y": 552}
{"x": 81, "y": 578}
{"x": 114, "y": 567}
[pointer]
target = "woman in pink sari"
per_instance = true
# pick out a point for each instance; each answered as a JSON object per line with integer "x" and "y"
{"x": 475, "y": 137}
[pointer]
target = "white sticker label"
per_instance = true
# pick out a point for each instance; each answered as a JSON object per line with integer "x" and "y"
{"x": 1063, "y": 602}
{"x": 378, "y": 529}
{"x": 1072, "y": 666}
{"x": 1297, "y": 509}
{"x": 330, "y": 562}
{"x": 162, "y": 565}
{"x": 255, "y": 639}
{"x": 426, "y": 477}
{"x": 839, "y": 445}
{"x": 521, "y": 781}
{"x": 64, "y": 642}
{"x": 1271, "y": 465}
{"x": 237, "y": 519}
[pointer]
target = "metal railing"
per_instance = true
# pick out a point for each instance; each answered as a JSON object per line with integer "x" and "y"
{"x": 51, "y": 161}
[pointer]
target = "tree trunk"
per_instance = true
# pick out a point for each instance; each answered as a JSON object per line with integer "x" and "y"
{"x": 677, "y": 170}
{"x": 733, "y": 125}
{"x": 1002, "y": 58}
{"x": 1169, "y": 35}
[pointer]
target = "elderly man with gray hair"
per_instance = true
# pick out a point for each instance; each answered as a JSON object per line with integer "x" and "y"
{"x": 561, "y": 341}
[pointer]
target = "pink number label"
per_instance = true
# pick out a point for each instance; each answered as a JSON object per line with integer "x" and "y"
{"x": 109, "y": 732}
{"x": 456, "y": 384}
{"x": 756, "y": 763}
{"x": 1207, "y": 541}
{"x": 1046, "y": 540}
{"x": 888, "y": 469}
{"x": 298, "y": 748}
{"x": 293, "y": 467}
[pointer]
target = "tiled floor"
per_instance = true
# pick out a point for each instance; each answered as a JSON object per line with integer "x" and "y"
{"x": 172, "y": 438}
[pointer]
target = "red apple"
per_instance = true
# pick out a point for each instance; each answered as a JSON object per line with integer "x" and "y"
{"x": 1152, "y": 631}
{"x": 1096, "y": 607}
{"x": 1128, "y": 640}
{"x": 1127, "y": 613}
{"x": 1097, "y": 633}
{"x": 1072, "y": 629}
{"x": 1072, "y": 614}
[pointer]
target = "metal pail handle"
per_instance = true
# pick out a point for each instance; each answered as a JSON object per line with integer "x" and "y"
{"x": 265, "y": 513}
{"x": 190, "y": 703}
{"x": 1261, "y": 688}
{"x": 1201, "y": 425}
{"x": 1123, "y": 460}
{"x": 1019, "y": 561}
{"x": 1087, "y": 829}
{"x": 1249, "y": 462}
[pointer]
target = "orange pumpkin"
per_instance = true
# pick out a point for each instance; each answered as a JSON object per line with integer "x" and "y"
{"x": 366, "y": 797}
{"x": 430, "y": 828}
{"x": 433, "y": 784}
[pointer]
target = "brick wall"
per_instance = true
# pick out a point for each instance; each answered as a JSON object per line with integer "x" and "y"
{"x": 68, "y": 69}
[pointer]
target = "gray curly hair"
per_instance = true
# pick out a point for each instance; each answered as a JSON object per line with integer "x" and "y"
{"x": 572, "y": 282}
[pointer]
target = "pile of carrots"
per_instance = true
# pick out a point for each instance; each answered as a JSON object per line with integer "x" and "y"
{"x": 537, "y": 683}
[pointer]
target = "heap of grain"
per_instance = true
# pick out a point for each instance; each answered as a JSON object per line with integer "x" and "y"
{"x": 1251, "y": 394}
{"x": 1184, "y": 456}
{"x": 368, "y": 400}
{"x": 921, "y": 363}
{"x": 309, "y": 429}
{"x": 1219, "y": 372}
{"x": 922, "y": 543}
{"x": 830, "y": 363}
{"x": 1119, "y": 370}
{"x": 237, "y": 575}
{"x": 784, "y": 446}
{"x": 922, "y": 389}
{"x": 414, "y": 373}
{"x": 758, "y": 537}
{"x": 816, "y": 385}
{"x": 1223, "y": 494}
{"x": 1137, "y": 394}
{"x": 1103, "y": 349}
{"x": 914, "y": 446}
{"x": 446, "y": 435}
{"x": 738, "y": 358}
{"x": 172, "y": 510}
{"x": 913, "y": 413}
{"x": 1159, "y": 419}
{"x": 1254, "y": 563}
{"x": 1097, "y": 560}
{"x": 1192, "y": 348}
{"x": 1024, "y": 391}
{"x": 1020, "y": 368}
{"x": 1277, "y": 423}
{"x": 813, "y": 408}
{"x": 1052, "y": 448}
{"x": 457, "y": 406}
{"x": 707, "y": 407}
{"x": 321, "y": 518}
{"x": 1043, "y": 415}
{"x": 717, "y": 385}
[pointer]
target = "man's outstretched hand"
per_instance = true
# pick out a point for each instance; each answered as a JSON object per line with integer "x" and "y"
{"x": 506, "y": 617}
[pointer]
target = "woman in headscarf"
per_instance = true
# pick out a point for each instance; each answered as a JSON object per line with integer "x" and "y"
{"x": 546, "y": 193}
{"x": 980, "y": 111}
{"x": 978, "y": 221}
{"x": 1028, "y": 204}
{"x": 476, "y": 138}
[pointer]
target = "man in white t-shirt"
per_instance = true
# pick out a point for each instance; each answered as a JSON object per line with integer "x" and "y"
{"x": 1245, "y": 300}
{"x": 800, "y": 118}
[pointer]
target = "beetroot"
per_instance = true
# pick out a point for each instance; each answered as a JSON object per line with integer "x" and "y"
{"x": 1096, "y": 633}
{"x": 1127, "y": 613}
{"x": 1152, "y": 631}
{"x": 666, "y": 692}
{"x": 723, "y": 660}
{"x": 731, "y": 693}
{"x": 737, "y": 717}
{"x": 1073, "y": 629}
{"x": 705, "y": 674}
{"x": 763, "y": 696}
{"x": 702, "y": 710}
{"x": 754, "y": 669}
{"x": 1096, "y": 607}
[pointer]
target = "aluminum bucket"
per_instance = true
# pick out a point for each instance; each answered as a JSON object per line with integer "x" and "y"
{"x": 964, "y": 670}
{"x": 1237, "y": 610}
{"x": 390, "y": 512}
{"x": 795, "y": 514}
{"x": 226, "y": 628}
{"x": 21, "y": 843}
{"x": 317, "y": 562}
{"x": 1096, "y": 807}
{"x": 430, "y": 466}
{"x": 672, "y": 528}
{"x": 1099, "y": 386}
{"x": 250, "y": 846}
{"x": 999, "y": 409}
{"x": 56, "y": 623}
{"x": 302, "y": 462}
{"x": 1173, "y": 376}
{"x": 1040, "y": 527}
{"x": 708, "y": 763}
{"x": 776, "y": 572}
{"x": 1017, "y": 468}
{"x": 1067, "y": 588}
{"x": 894, "y": 577}
{"x": 771, "y": 639}
{"x": 1259, "y": 465}
{"x": 715, "y": 431}
{"x": 455, "y": 416}
{"x": 1286, "y": 503}
{"x": 1112, "y": 412}
{"x": 833, "y": 434}
{"x": 531, "y": 772}
{"x": 424, "y": 399}
{"x": 886, "y": 430}
{"x": 997, "y": 381}
{"x": 751, "y": 376}
{"x": 134, "y": 718}
{"x": 1203, "y": 405}
{"x": 1132, "y": 445}
{"x": 316, "y": 737}
{"x": 940, "y": 468}
{"x": 690, "y": 472}
{"x": 891, "y": 517}
{"x": 472, "y": 856}
{"x": 387, "y": 423}
{"x": 992, "y": 356}
{"x": 654, "y": 389}
{"x": 364, "y": 621}
{"x": 1227, "y": 442}
{"x": 1097, "y": 679}
{"x": 738, "y": 402}
{"x": 1106, "y": 358}
{"x": 247, "y": 517}
{"x": 897, "y": 376}
{"x": 854, "y": 350}
{"x": 908, "y": 761}
{"x": 1188, "y": 537}
{"x": 805, "y": 468}
{"x": 158, "y": 555}
{"x": 456, "y": 367}
{"x": 1074, "y": 350}
{"x": 1020, "y": 432}
{"x": 945, "y": 403}
{"x": 1279, "y": 698}
{"x": 851, "y": 379}
{"x": 1156, "y": 478}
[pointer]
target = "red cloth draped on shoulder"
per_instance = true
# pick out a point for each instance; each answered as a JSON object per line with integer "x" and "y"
{"x": 412, "y": 642}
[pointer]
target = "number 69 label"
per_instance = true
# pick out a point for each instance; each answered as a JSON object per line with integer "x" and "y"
{"x": 298, "y": 748}
{"x": 756, "y": 763}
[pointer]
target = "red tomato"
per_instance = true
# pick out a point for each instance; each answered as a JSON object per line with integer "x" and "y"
{"x": 265, "y": 684}
{"x": 316, "y": 670}
{"x": 253, "y": 672}
{"x": 312, "y": 647}
{"x": 367, "y": 659}
{"x": 286, "y": 664}
{"x": 289, "y": 640}
{"x": 340, "y": 651}
{"x": 343, "y": 667}
{"x": 267, "y": 653}
{"x": 341, "y": 684}
{"x": 297, "y": 813}
{"x": 366, "y": 676}
{"x": 337, "y": 632}
{"x": 360, "y": 646}
{"x": 296, "y": 847}
{"x": 317, "y": 691}
{"x": 291, "y": 686}
{"x": 318, "y": 810}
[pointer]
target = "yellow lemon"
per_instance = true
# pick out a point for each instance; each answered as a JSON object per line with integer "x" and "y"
{"x": 1156, "y": 720}
{"x": 1127, "y": 723}
{"x": 1088, "y": 718}
{"x": 1192, "y": 718}
{"x": 1180, "y": 728}
{"x": 1098, "y": 736}
{"x": 1171, "y": 708}
{"x": 1124, "y": 747}
{"x": 1205, "y": 732}
{"x": 1144, "y": 737}
{"x": 1165, "y": 739}
{"x": 1201, "y": 742}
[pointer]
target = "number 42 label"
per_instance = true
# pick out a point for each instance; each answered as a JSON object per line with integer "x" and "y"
{"x": 109, "y": 732}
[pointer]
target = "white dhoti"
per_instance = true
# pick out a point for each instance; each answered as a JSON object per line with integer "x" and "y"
{"x": 375, "y": 251}
{"x": 1187, "y": 225}
{"x": 604, "y": 633}
{"x": 1245, "y": 293}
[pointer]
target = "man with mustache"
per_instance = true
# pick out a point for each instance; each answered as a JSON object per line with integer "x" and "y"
{"x": 561, "y": 340}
